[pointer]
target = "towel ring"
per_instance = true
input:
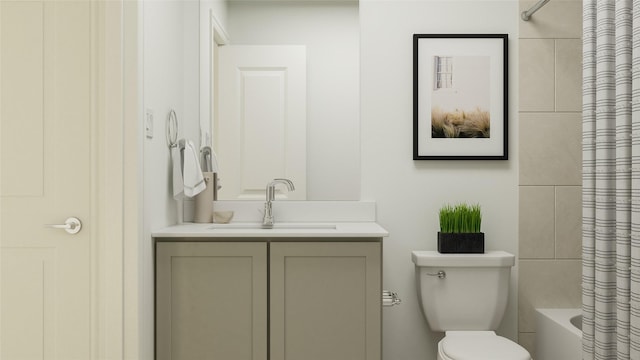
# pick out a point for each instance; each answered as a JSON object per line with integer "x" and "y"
{"x": 171, "y": 130}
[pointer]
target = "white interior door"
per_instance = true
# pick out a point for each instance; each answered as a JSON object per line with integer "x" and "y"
{"x": 261, "y": 129}
{"x": 45, "y": 177}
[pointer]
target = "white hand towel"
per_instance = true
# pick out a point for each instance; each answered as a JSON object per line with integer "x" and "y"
{"x": 178, "y": 185}
{"x": 191, "y": 172}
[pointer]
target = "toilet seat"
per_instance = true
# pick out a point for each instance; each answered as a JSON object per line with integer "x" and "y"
{"x": 479, "y": 345}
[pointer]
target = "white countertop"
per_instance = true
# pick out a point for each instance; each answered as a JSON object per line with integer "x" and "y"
{"x": 280, "y": 230}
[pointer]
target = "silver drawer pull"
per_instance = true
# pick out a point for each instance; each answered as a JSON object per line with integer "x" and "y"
{"x": 440, "y": 274}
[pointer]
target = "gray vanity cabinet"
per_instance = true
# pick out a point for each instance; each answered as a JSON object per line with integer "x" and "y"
{"x": 211, "y": 300}
{"x": 324, "y": 300}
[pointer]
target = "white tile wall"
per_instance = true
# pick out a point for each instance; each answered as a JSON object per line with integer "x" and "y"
{"x": 547, "y": 284}
{"x": 551, "y": 148}
{"x": 559, "y": 19}
{"x": 550, "y": 162}
{"x": 536, "y": 230}
{"x": 568, "y": 222}
{"x": 568, "y": 65}
{"x": 537, "y": 75}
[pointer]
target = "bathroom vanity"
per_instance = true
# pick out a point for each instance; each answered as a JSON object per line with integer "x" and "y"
{"x": 297, "y": 291}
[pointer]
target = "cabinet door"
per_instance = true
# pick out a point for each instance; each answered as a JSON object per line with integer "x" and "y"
{"x": 325, "y": 301}
{"x": 211, "y": 301}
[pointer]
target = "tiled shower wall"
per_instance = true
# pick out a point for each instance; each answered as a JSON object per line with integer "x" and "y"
{"x": 550, "y": 129}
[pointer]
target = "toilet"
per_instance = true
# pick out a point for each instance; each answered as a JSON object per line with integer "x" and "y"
{"x": 465, "y": 296}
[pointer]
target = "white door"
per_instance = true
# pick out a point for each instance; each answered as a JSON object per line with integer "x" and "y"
{"x": 46, "y": 113}
{"x": 260, "y": 133}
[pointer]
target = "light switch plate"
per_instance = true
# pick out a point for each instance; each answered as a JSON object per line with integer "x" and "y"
{"x": 148, "y": 123}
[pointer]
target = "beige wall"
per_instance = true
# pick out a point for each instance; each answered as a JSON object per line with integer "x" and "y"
{"x": 550, "y": 162}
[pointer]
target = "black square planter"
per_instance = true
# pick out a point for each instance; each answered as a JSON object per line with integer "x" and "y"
{"x": 460, "y": 243}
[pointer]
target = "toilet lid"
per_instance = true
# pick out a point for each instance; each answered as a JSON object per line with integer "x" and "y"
{"x": 480, "y": 345}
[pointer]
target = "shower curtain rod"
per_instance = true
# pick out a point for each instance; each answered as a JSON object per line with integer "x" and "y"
{"x": 526, "y": 15}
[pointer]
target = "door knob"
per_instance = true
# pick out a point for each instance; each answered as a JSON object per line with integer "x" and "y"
{"x": 72, "y": 225}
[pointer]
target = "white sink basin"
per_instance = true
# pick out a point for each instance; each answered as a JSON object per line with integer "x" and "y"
{"x": 276, "y": 226}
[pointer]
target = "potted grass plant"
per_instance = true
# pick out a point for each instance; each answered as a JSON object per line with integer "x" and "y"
{"x": 460, "y": 229}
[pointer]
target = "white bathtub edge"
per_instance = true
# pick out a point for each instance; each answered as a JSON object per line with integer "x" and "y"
{"x": 563, "y": 318}
{"x": 556, "y": 337}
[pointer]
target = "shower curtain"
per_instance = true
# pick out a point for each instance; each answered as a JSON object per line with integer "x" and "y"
{"x": 611, "y": 179}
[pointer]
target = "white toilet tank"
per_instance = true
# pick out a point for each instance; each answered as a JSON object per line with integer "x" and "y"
{"x": 472, "y": 294}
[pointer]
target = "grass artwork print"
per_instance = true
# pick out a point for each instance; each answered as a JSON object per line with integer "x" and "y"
{"x": 460, "y": 97}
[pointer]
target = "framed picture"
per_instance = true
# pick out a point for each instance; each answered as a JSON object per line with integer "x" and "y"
{"x": 460, "y": 103}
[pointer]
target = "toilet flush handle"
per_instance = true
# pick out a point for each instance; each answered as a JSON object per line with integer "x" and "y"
{"x": 440, "y": 274}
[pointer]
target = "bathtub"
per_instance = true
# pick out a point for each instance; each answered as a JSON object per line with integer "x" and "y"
{"x": 558, "y": 334}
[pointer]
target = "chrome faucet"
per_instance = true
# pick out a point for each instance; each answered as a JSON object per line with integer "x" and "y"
{"x": 267, "y": 221}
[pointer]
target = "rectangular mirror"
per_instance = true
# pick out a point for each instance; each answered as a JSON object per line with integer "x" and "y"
{"x": 329, "y": 145}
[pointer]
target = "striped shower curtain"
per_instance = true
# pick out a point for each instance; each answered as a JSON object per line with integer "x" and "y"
{"x": 611, "y": 179}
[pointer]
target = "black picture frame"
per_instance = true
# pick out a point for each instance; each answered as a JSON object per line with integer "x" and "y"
{"x": 460, "y": 97}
